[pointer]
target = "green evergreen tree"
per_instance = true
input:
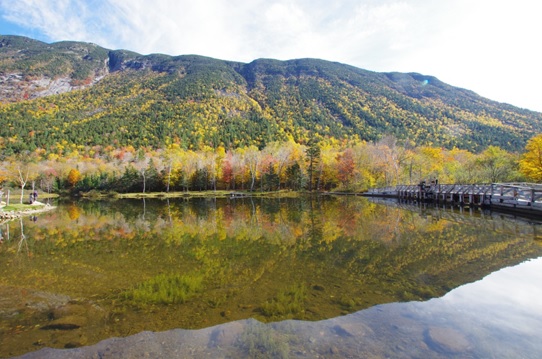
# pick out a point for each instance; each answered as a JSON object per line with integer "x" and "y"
{"x": 294, "y": 177}
{"x": 313, "y": 158}
{"x": 271, "y": 178}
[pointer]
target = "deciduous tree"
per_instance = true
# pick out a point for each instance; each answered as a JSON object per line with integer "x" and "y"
{"x": 74, "y": 176}
{"x": 345, "y": 167}
{"x": 531, "y": 161}
{"x": 496, "y": 165}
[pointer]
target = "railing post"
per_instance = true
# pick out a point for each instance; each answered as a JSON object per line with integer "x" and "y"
{"x": 492, "y": 193}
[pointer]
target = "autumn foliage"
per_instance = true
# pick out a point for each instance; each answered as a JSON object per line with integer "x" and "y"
{"x": 531, "y": 161}
{"x": 74, "y": 176}
{"x": 318, "y": 166}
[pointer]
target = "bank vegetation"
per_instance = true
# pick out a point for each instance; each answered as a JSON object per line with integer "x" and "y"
{"x": 280, "y": 166}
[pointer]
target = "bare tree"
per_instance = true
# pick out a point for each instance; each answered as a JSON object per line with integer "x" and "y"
{"x": 141, "y": 167}
{"x": 22, "y": 179}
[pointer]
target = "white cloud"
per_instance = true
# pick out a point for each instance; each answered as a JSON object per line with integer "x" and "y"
{"x": 489, "y": 46}
{"x": 486, "y": 46}
{"x": 58, "y": 20}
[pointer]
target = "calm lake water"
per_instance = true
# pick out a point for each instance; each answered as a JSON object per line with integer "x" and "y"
{"x": 263, "y": 277}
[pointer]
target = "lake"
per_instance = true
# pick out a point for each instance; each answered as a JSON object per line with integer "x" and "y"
{"x": 317, "y": 276}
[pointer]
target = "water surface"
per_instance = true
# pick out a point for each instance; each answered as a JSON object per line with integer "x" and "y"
{"x": 499, "y": 316}
{"x": 93, "y": 270}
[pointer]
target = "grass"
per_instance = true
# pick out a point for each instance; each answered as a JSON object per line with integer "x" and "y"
{"x": 15, "y": 195}
{"x": 259, "y": 341}
{"x": 174, "y": 194}
{"x": 290, "y": 302}
{"x": 207, "y": 194}
{"x": 21, "y": 207}
{"x": 166, "y": 289}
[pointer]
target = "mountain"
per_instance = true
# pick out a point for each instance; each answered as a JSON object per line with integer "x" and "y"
{"x": 73, "y": 94}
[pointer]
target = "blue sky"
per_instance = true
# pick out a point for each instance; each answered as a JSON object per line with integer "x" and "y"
{"x": 488, "y": 46}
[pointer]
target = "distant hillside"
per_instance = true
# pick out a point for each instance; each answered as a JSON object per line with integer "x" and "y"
{"x": 70, "y": 94}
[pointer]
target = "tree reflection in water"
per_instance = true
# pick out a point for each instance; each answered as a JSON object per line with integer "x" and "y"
{"x": 270, "y": 259}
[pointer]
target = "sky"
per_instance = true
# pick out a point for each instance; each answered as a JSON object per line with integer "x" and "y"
{"x": 491, "y": 47}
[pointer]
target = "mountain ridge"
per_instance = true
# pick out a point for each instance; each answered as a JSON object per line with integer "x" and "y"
{"x": 201, "y": 101}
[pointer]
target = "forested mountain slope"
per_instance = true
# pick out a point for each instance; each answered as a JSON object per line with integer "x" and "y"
{"x": 72, "y": 94}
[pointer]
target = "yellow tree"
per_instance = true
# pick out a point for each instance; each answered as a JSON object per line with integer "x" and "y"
{"x": 253, "y": 160}
{"x": 189, "y": 162}
{"x": 363, "y": 176}
{"x": 496, "y": 165}
{"x": 284, "y": 153}
{"x": 530, "y": 164}
{"x": 172, "y": 159}
{"x": 459, "y": 167}
{"x": 74, "y": 176}
{"x": 430, "y": 162}
{"x": 328, "y": 169}
{"x": 211, "y": 160}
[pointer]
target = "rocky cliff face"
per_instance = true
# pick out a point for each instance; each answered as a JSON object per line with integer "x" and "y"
{"x": 30, "y": 69}
{"x": 17, "y": 87}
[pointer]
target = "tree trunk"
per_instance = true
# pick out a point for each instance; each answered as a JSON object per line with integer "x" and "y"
{"x": 22, "y": 193}
{"x": 311, "y": 171}
{"x": 319, "y": 179}
{"x": 22, "y": 181}
{"x": 253, "y": 180}
{"x": 144, "y": 181}
{"x": 168, "y": 178}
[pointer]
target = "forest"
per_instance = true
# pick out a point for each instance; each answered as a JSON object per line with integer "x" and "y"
{"x": 76, "y": 117}
{"x": 317, "y": 166}
{"x": 55, "y": 96}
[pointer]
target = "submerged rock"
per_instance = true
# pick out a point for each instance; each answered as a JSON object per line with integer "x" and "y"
{"x": 447, "y": 340}
{"x": 60, "y": 326}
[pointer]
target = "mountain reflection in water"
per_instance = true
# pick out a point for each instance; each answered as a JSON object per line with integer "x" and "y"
{"x": 499, "y": 316}
{"x": 95, "y": 270}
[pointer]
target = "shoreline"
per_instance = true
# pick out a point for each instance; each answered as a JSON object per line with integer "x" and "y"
{"x": 19, "y": 210}
{"x": 190, "y": 194}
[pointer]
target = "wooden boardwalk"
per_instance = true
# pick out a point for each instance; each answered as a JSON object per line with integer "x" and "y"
{"x": 517, "y": 197}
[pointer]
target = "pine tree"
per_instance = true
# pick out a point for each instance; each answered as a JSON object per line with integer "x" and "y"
{"x": 313, "y": 158}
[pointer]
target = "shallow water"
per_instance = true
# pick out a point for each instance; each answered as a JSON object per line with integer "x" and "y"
{"x": 499, "y": 316}
{"x": 93, "y": 270}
